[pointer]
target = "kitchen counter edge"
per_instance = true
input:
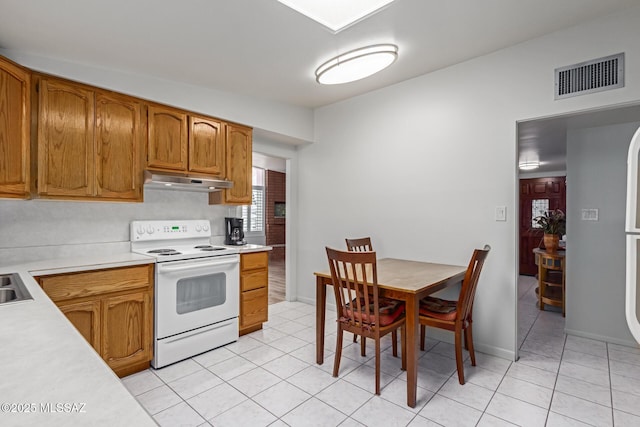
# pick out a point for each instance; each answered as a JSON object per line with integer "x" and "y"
{"x": 46, "y": 362}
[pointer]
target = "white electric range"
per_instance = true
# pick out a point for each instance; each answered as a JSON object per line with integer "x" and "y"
{"x": 196, "y": 288}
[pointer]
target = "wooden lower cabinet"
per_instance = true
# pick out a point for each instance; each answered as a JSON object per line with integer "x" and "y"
{"x": 112, "y": 309}
{"x": 254, "y": 291}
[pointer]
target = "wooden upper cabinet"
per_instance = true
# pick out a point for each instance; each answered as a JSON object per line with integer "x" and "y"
{"x": 119, "y": 144}
{"x": 206, "y": 146}
{"x": 89, "y": 142}
{"x": 238, "y": 167}
{"x": 15, "y": 111}
{"x": 65, "y": 139}
{"x": 167, "y": 139}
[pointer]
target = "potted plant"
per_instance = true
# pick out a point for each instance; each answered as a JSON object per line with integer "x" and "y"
{"x": 553, "y": 224}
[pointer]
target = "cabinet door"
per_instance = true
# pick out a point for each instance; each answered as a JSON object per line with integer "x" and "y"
{"x": 85, "y": 316}
{"x": 65, "y": 139}
{"x": 127, "y": 329}
{"x": 206, "y": 146}
{"x": 118, "y": 146}
{"x": 167, "y": 139}
{"x": 253, "y": 307}
{"x": 15, "y": 110}
{"x": 238, "y": 165}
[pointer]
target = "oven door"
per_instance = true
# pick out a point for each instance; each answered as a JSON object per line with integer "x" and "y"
{"x": 194, "y": 293}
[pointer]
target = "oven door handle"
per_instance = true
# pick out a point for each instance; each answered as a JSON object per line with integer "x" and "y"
{"x": 193, "y": 265}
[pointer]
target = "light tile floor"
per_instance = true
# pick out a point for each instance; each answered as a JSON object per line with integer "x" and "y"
{"x": 270, "y": 377}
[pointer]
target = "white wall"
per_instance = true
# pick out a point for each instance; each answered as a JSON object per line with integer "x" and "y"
{"x": 36, "y": 229}
{"x": 596, "y": 179}
{"x": 421, "y": 165}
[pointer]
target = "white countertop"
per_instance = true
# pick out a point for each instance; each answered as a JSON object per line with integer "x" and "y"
{"x": 248, "y": 248}
{"x": 45, "y": 361}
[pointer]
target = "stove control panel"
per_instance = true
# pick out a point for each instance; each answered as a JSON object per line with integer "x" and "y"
{"x": 164, "y": 230}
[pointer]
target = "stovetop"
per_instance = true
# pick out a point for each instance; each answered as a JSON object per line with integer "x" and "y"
{"x": 175, "y": 240}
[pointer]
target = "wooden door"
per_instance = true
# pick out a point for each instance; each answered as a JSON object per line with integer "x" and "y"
{"x": 85, "y": 316}
{"x": 206, "y": 146}
{"x": 15, "y": 111}
{"x": 127, "y": 329}
{"x": 167, "y": 139}
{"x": 65, "y": 139}
{"x": 238, "y": 165}
{"x": 535, "y": 194}
{"x": 118, "y": 145}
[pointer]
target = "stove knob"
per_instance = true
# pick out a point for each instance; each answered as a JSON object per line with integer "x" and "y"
{"x": 140, "y": 230}
{"x": 205, "y": 227}
{"x": 150, "y": 229}
{"x": 198, "y": 228}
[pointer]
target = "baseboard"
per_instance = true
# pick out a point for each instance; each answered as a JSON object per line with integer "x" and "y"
{"x": 442, "y": 335}
{"x": 597, "y": 337}
{"x": 446, "y": 336}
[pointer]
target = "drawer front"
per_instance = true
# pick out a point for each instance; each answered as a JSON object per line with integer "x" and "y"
{"x": 254, "y": 307}
{"x": 89, "y": 283}
{"x": 255, "y": 280}
{"x": 254, "y": 261}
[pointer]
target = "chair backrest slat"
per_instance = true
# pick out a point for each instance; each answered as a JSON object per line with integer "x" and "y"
{"x": 470, "y": 283}
{"x": 362, "y": 244}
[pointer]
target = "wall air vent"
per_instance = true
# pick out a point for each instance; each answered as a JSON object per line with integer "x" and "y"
{"x": 591, "y": 76}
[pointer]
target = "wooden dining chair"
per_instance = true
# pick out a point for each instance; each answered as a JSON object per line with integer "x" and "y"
{"x": 456, "y": 315}
{"x": 359, "y": 308}
{"x": 360, "y": 245}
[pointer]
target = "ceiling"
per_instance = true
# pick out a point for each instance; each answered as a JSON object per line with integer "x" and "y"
{"x": 267, "y": 50}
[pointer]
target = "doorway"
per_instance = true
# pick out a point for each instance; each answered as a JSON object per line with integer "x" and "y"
{"x": 274, "y": 211}
{"x": 546, "y": 140}
{"x": 537, "y": 196}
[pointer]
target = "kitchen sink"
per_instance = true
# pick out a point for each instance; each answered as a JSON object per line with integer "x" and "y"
{"x": 12, "y": 289}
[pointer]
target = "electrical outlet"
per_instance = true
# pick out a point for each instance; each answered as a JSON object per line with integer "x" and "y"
{"x": 501, "y": 213}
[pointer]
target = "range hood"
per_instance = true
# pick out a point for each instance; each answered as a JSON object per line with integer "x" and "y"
{"x": 163, "y": 181}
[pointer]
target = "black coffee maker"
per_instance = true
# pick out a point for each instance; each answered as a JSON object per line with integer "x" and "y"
{"x": 233, "y": 231}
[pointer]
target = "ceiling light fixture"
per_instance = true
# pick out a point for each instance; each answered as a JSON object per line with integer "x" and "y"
{"x": 356, "y": 64}
{"x": 529, "y": 165}
{"x": 336, "y": 15}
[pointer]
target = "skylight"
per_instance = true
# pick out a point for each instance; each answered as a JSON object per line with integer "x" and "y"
{"x": 336, "y": 14}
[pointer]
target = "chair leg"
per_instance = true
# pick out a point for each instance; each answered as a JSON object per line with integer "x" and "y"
{"x": 355, "y": 338}
{"x": 378, "y": 366}
{"x": 403, "y": 346}
{"x": 338, "y": 355}
{"x": 363, "y": 346}
{"x": 468, "y": 338}
{"x": 394, "y": 345}
{"x": 423, "y": 331}
{"x": 458, "y": 345}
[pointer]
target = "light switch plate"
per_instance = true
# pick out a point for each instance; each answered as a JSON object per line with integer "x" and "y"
{"x": 501, "y": 213}
{"x": 589, "y": 214}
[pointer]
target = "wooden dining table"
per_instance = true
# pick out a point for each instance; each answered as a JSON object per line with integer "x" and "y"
{"x": 404, "y": 280}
